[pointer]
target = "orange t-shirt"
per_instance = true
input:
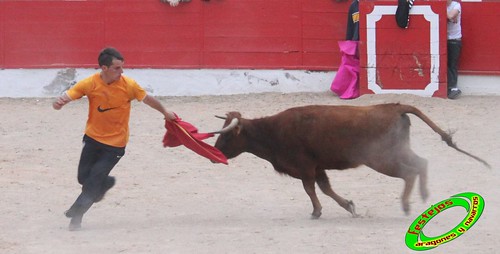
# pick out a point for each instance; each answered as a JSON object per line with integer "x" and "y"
{"x": 109, "y": 107}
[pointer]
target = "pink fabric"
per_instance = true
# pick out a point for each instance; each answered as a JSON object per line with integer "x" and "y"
{"x": 183, "y": 133}
{"x": 346, "y": 81}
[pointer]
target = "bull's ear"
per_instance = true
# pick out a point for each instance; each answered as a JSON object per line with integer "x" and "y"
{"x": 238, "y": 128}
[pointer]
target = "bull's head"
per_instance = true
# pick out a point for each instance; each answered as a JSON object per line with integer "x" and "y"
{"x": 229, "y": 142}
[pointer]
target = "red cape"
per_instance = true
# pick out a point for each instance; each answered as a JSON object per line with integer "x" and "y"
{"x": 183, "y": 133}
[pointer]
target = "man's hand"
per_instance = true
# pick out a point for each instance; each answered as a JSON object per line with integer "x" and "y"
{"x": 60, "y": 102}
{"x": 452, "y": 16}
{"x": 170, "y": 116}
{"x": 171, "y": 2}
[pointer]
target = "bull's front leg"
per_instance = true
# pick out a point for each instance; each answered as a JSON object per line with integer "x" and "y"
{"x": 310, "y": 190}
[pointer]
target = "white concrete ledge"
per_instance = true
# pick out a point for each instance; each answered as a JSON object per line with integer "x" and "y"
{"x": 171, "y": 82}
{"x": 479, "y": 84}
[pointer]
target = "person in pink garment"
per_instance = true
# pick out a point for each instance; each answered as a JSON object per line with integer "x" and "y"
{"x": 346, "y": 81}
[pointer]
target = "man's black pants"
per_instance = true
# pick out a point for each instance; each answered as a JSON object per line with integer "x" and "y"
{"x": 454, "y": 48}
{"x": 96, "y": 162}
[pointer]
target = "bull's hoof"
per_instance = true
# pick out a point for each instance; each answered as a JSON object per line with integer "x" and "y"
{"x": 406, "y": 209}
{"x": 315, "y": 215}
{"x": 352, "y": 209}
{"x": 424, "y": 193}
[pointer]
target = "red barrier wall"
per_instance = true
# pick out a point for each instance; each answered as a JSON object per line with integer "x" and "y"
{"x": 481, "y": 34}
{"x": 291, "y": 34}
{"x": 259, "y": 34}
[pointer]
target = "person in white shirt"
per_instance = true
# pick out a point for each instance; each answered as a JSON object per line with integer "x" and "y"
{"x": 454, "y": 34}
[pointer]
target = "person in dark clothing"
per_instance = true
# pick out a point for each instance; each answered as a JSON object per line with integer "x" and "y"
{"x": 352, "y": 33}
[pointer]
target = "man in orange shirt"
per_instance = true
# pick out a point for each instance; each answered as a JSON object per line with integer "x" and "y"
{"x": 106, "y": 134}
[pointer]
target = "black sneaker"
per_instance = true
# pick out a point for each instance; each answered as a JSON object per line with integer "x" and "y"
{"x": 110, "y": 182}
{"x": 454, "y": 93}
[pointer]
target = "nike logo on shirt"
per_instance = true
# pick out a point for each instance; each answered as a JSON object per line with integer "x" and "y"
{"x": 103, "y": 109}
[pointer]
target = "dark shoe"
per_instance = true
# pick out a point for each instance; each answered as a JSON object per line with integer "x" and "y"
{"x": 110, "y": 182}
{"x": 81, "y": 205}
{"x": 75, "y": 223}
{"x": 454, "y": 93}
{"x": 74, "y": 211}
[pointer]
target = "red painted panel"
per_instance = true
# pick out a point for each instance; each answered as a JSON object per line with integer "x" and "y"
{"x": 2, "y": 36}
{"x": 253, "y": 44}
{"x": 276, "y": 34}
{"x": 318, "y": 61}
{"x": 326, "y": 22}
{"x": 234, "y": 34}
{"x": 275, "y": 12}
{"x": 262, "y": 60}
{"x": 51, "y": 34}
{"x": 154, "y": 34}
{"x": 158, "y": 59}
{"x": 403, "y": 45}
{"x": 251, "y": 30}
{"x": 318, "y": 45}
{"x": 319, "y": 32}
{"x": 240, "y": 36}
{"x": 402, "y": 57}
{"x": 480, "y": 37}
{"x": 405, "y": 61}
{"x": 323, "y": 25}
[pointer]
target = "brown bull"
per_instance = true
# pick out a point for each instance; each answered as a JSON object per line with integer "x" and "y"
{"x": 305, "y": 141}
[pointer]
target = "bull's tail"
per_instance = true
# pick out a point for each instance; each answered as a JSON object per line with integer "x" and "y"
{"x": 446, "y": 137}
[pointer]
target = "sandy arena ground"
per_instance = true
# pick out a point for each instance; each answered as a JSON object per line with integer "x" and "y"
{"x": 170, "y": 200}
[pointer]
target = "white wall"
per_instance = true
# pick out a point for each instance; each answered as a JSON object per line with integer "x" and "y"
{"x": 161, "y": 82}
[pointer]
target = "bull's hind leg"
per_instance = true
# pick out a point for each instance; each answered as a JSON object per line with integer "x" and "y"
{"x": 419, "y": 165}
{"x": 324, "y": 185}
{"x": 404, "y": 171}
{"x": 405, "y": 197}
{"x": 412, "y": 166}
{"x": 423, "y": 183}
{"x": 407, "y": 166}
{"x": 310, "y": 190}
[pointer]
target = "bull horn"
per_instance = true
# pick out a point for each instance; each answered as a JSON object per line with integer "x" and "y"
{"x": 220, "y": 117}
{"x": 229, "y": 127}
